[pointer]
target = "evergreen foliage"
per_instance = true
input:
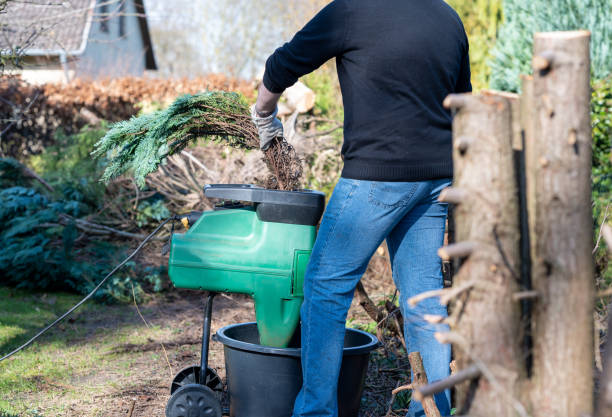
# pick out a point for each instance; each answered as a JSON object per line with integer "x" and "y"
{"x": 37, "y": 250}
{"x": 142, "y": 143}
{"x": 481, "y": 19}
{"x": 523, "y": 18}
{"x": 42, "y": 248}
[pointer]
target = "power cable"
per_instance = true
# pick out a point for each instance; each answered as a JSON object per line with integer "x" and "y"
{"x": 91, "y": 294}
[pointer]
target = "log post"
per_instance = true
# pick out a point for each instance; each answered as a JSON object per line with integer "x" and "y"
{"x": 486, "y": 316}
{"x": 562, "y": 266}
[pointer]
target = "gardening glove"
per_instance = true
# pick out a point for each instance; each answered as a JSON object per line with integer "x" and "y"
{"x": 269, "y": 127}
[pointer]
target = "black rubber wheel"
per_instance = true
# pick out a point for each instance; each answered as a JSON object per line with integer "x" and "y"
{"x": 191, "y": 375}
{"x": 193, "y": 400}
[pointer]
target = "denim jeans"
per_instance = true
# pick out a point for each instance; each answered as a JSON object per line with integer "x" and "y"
{"x": 359, "y": 217}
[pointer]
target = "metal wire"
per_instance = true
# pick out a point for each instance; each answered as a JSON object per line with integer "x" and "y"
{"x": 91, "y": 294}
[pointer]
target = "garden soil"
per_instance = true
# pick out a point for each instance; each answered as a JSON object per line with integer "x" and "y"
{"x": 143, "y": 391}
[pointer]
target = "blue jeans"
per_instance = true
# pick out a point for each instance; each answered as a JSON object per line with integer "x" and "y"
{"x": 359, "y": 217}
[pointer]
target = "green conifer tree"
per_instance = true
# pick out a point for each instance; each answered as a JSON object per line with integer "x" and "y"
{"x": 523, "y": 18}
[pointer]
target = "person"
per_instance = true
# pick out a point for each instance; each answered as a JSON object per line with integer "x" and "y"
{"x": 397, "y": 60}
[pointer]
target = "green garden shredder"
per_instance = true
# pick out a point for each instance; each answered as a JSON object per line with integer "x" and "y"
{"x": 256, "y": 242}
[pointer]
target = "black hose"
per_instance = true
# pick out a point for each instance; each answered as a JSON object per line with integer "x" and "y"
{"x": 91, "y": 294}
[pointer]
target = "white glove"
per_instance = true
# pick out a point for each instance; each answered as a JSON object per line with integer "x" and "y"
{"x": 269, "y": 127}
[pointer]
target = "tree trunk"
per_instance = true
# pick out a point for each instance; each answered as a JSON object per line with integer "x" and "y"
{"x": 485, "y": 318}
{"x": 562, "y": 264}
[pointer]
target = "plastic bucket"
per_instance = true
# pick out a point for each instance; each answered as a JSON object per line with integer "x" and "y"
{"x": 264, "y": 381}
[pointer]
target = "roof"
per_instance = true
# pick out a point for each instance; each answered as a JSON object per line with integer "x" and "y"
{"x": 56, "y": 27}
{"x": 44, "y": 27}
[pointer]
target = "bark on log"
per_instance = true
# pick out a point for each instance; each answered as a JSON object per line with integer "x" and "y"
{"x": 562, "y": 264}
{"x": 486, "y": 316}
{"x": 419, "y": 378}
{"x": 514, "y": 99}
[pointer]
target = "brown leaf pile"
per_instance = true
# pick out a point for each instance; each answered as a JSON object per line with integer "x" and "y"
{"x": 32, "y": 114}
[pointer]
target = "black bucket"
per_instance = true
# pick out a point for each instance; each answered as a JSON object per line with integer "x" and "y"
{"x": 264, "y": 381}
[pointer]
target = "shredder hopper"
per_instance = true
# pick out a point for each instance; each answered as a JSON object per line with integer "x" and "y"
{"x": 257, "y": 242}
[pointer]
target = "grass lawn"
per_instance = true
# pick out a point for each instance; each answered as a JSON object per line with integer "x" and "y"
{"x": 72, "y": 370}
{"x": 104, "y": 361}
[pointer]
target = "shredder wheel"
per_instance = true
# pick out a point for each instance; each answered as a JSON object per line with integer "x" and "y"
{"x": 191, "y": 375}
{"x": 193, "y": 400}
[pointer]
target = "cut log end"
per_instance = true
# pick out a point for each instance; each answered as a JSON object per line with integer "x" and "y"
{"x": 472, "y": 372}
{"x": 525, "y": 295}
{"x": 463, "y": 144}
{"x": 543, "y": 61}
{"x": 455, "y": 101}
{"x": 572, "y": 138}
{"x": 563, "y": 35}
{"x": 452, "y": 195}
{"x": 457, "y": 250}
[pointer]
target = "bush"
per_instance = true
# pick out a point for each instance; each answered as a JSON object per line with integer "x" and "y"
{"x": 482, "y": 19}
{"x": 601, "y": 113}
{"x": 40, "y": 111}
{"x": 513, "y": 53}
{"x": 523, "y": 18}
{"x": 42, "y": 247}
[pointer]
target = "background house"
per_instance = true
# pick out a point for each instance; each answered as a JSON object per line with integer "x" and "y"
{"x": 60, "y": 41}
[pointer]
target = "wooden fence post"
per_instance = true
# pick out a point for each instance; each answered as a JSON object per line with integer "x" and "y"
{"x": 562, "y": 266}
{"x": 485, "y": 318}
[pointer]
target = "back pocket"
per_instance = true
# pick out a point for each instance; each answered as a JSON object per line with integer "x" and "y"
{"x": 392, "y": 194}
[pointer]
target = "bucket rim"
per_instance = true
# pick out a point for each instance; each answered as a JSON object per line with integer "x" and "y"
{"x": 221, "y": 336}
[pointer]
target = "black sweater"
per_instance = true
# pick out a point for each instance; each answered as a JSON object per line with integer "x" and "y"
{"x": 397, "y": 61}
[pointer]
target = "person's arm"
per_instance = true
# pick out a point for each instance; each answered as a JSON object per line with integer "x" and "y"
{"x": 464, "y": 83}
{"x": 320, "y": 40}
{"x": 266, "y": 101}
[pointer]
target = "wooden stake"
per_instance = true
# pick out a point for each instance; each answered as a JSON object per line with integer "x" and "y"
{"x": 419, "y": 378}
{"x": 487, "y": 318}
{"x": 562, "y": 269}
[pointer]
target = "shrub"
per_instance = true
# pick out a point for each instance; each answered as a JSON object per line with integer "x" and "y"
{"x": 523, "y": 18}
{"x": 42, "y": 247}
{"x": 601, "y": 113}
{"x": 40, "y": 111}
{"x": 482, "y": 19}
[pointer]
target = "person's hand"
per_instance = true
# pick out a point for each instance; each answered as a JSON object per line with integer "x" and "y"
{"x": 268, "y": 127}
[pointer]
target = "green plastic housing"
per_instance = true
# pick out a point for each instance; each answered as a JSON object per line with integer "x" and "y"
{"x": 232, "y": 251}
